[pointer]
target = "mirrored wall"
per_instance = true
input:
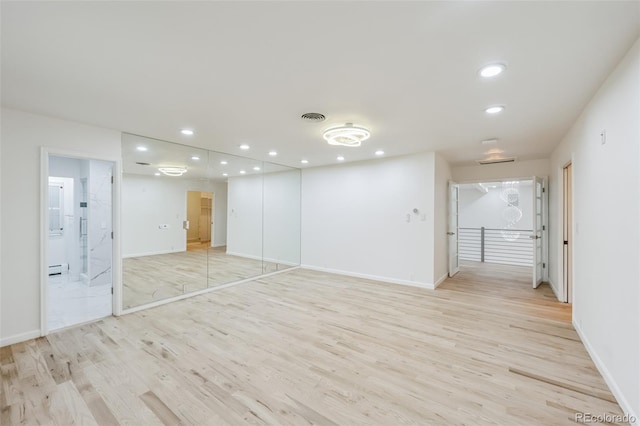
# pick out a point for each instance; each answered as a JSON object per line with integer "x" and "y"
{"x": 193, "y": 219}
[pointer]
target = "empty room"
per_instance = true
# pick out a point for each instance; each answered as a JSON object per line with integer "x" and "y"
{"x": 320, "y": 212}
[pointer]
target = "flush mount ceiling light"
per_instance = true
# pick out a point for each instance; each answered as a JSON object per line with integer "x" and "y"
{"x": 173, "y": 171}
{"x": 187, "y": 132}
{"x": 492, "y": 70}
{"x": 244, "y": 146}
{"x": 494, "y": 109}
{"x": 142, "y": 148}
{"x": 347, "y": 135}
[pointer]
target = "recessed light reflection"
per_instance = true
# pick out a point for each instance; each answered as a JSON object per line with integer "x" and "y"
{"x": 242, "y": 172}
{"x": 494, "y": 109}
{"x": 244, "y": 147}
{"x": 142, "y": 148}
{"x": 340, "y": 158}
{"x": 157, "y": 174}
{"x": 225, "y": 174}
{"x": 187, "y": 132}
{"x": 273, "y": 153}
{"x": 223, "y": 162}
{"x": 304, "y": 161}
{"x": 256, "y": 168}
{"x": 379, "y": 152}
{"x": 492, "y": 70}
{"x": 195, "y": 157}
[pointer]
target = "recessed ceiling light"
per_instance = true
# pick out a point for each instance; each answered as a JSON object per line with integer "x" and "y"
{"x": 157, "y": 174}
{"x": 494, "y": 109}
{"x": 244, "y": 146}
{"x": 225, "y": 174}
{"x": 223, "y": 162}
{"x": 187, "y": 132}
{"x": 142, "y": 148}
{"x": 492, "y": 70}
{"x": 273, "y": 153}
{"x": 304, "y": 161}
{"x": 489, "y": 141}
{"x": 340, "y": 158}
{"x": 379, "y": 152}
{"x": 195, "y": 157}
{"x": 242, "y": 172}
{"x": 256, "y": 168}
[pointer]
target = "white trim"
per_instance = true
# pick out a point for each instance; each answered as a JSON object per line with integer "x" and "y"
{"x": 608, "y": 378}
{"x": 265, "y": 259}
{"x": 389, "y": 280}
{"x": 555, "y": 290}
{"x": 203, "y": 291}
{"x": 17, "y": 338}
{"x": 441, "y": 280}
{"x": 152, "y": 253}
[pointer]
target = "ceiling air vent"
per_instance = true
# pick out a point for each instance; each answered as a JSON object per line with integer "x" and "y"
{"x": 496, "y": 160}
{"x": 313, "y": 116}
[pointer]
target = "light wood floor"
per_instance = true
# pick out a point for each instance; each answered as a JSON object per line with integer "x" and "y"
{"x": 306, "y": 347}
{"x": 148, "y": 279}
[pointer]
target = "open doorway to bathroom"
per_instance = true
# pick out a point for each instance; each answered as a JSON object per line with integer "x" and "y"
{"x": 79, "y": 241}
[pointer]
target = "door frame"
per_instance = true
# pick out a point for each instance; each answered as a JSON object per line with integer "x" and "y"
{"x": 453, "y": 234}
{"x": 116, "y": 260}
{"x": 567, "y": 232}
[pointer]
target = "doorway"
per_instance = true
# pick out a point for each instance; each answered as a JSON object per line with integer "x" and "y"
{"x": 567, "y": 235}
{"x": 499, "y": 230}
{"x": 79, "y": 245}
{"x": 199, "y": 224}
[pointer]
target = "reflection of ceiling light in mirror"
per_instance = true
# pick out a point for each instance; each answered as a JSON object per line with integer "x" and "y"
{"x": 379, "y": 152}
{"x": 195, "y": 157}
{"x": 244, "y": 147}
{"x": 242, "y": 172}
{"x": 492, "y": 70}
{"x": 225, "y": 174}
{"x": 223, "y": 162}
{"x": 256, "y": 168}
{"x": 304, "y": 161}
{"x": 494, "y": 109}
{"x": 173, "y": 171}
{"x": 340, "y": 158}
{"x": 347, "y": 135}
{"x": 142, "y": 148}
{"x": 187, "y": 132}
{"x": 273, "y": 153}
{"x": 157, "y": 174}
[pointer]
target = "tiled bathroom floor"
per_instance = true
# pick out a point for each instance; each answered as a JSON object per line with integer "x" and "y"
{"x": 73, "y": 302}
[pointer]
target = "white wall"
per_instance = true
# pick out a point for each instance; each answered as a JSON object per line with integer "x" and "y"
{"x": 22, "y": 136}
{"x": 244, "y": 216}
{"x": 518, "y": 169}
{"x": 606, "y": 278}
{"x": 441, "y": 204}
{"x": 354, "y": 219}
{"x": 151, "y": 201}
{"x": 477, "y": 209}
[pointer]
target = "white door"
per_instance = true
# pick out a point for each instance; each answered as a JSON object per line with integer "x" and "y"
{"x": 538, "y": 230}
{"x": 452, "y": 230}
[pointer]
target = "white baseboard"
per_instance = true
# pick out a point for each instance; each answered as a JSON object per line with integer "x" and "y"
{"x": 555, "y": 290}
{"x": 266, "y": 259}
{"x": 428, "y": 286}
{"x": 441, "y": 280}
{"x": 152, "y": 253}
{"x": 608, "y": 378}
{"x": 17, "y": 338}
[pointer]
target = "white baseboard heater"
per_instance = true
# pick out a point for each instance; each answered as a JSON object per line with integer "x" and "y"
{"x": 58, "y": 269}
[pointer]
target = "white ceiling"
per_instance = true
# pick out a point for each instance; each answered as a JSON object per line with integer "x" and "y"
{"x": 244, "y": 72}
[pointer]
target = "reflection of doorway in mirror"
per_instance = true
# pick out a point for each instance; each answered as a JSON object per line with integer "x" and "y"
{"x": 200, "y": 217}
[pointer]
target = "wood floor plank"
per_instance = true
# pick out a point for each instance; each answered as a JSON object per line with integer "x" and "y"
{"x": 306, "y": 347}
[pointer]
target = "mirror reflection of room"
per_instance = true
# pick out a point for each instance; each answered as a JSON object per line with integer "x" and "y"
{"x": 201, "y": 225}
